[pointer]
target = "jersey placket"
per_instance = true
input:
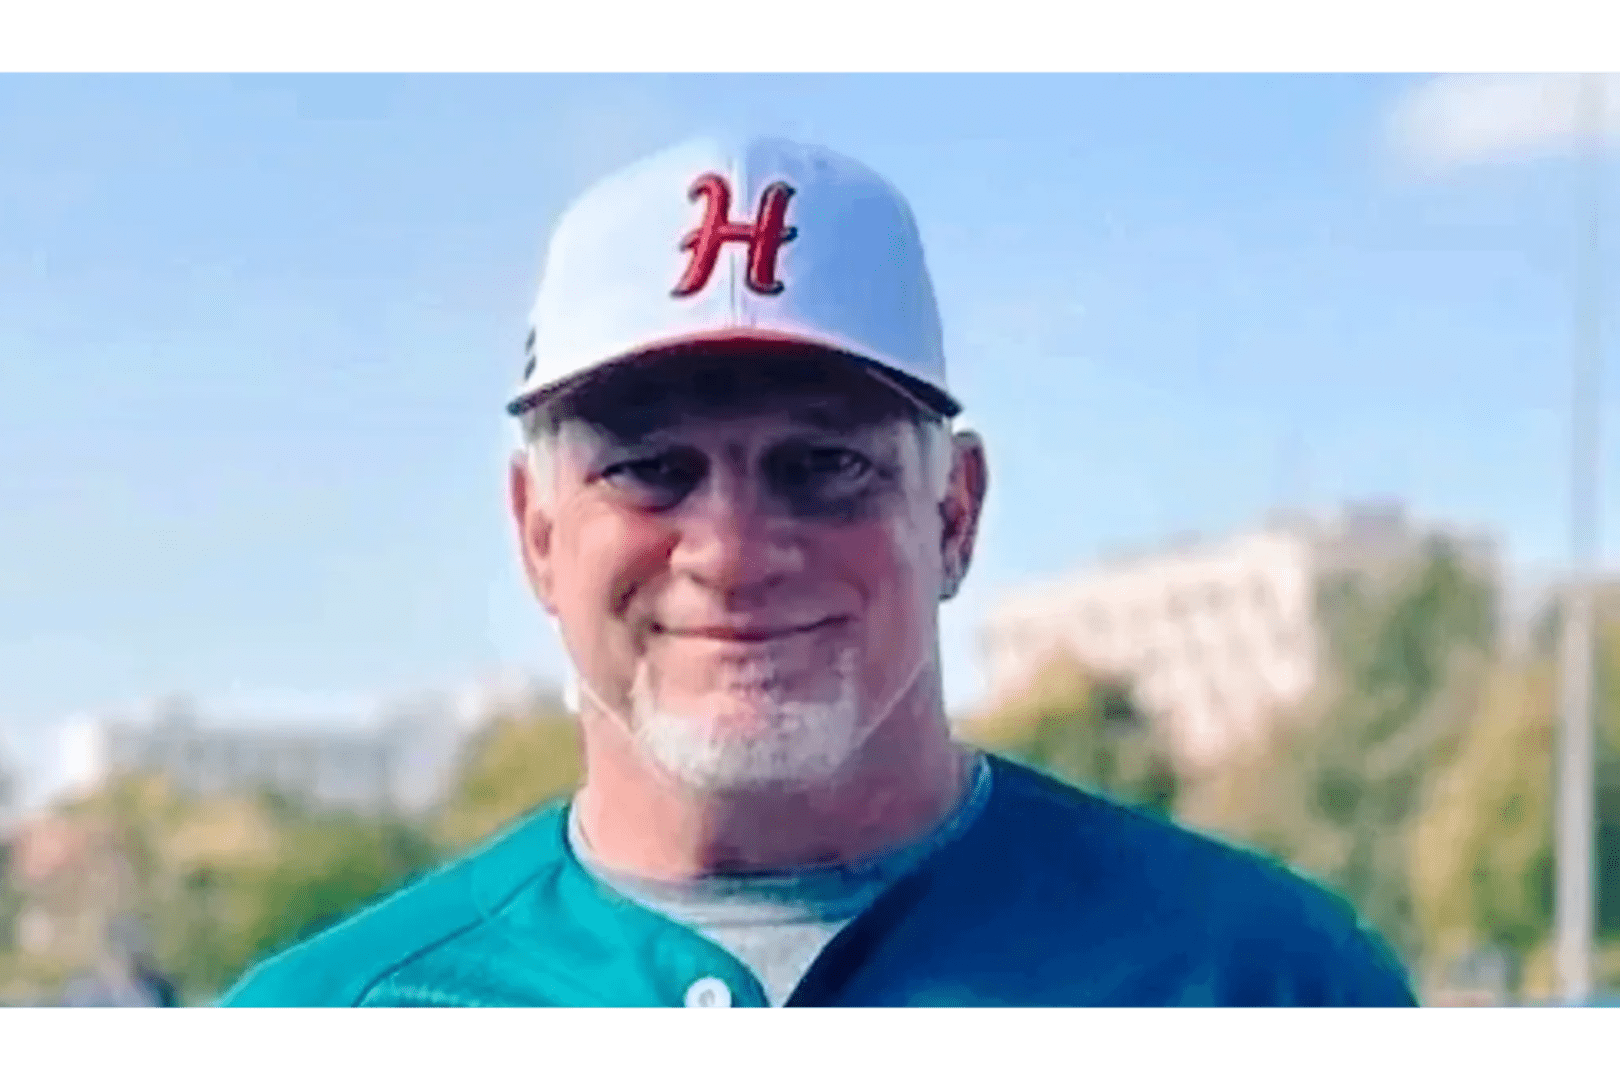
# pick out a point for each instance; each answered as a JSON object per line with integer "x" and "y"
{"x": 685, "y": 968}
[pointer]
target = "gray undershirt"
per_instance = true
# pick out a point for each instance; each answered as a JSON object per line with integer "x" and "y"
{"x": 777, "y": 925}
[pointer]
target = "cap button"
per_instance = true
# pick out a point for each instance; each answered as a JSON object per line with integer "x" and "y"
{"x": 708, "y": 993}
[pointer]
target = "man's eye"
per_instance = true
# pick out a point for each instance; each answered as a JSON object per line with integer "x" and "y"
{"x": 664, "y": 478}
{"x": 820, "y": 468}
{"x": 837, "y": 463}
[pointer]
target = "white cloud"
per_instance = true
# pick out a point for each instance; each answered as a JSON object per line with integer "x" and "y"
{"x": 1458, "y": 120}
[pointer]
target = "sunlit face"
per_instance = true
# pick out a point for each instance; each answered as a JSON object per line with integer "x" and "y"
{"x": 746, "y": 572}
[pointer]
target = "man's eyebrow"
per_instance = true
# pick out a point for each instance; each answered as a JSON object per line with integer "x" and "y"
{"x": 605, "y": 440}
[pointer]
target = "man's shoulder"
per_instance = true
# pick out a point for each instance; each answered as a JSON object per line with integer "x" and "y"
{"x": 337, "y": 966}
{"x": 1144, "y": 847}
{"x": 1249, "y": 914}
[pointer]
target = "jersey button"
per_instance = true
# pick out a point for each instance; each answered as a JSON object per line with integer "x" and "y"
{"x": 708, "y": 993}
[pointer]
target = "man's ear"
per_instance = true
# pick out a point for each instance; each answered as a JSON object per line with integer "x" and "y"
{"x": 533, "y": 520}
{"x": 960, "y": 510}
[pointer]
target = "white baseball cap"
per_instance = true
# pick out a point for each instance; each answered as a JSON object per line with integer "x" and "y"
{"x": 756, "y": 239}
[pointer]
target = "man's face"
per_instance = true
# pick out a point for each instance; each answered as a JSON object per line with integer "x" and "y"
{"x": 746, "y": 568}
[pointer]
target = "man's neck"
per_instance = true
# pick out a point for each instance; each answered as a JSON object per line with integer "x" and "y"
{"x": 907, "y": 778}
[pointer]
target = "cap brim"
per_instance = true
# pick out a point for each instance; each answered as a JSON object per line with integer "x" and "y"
{"x": 924, "y": 394}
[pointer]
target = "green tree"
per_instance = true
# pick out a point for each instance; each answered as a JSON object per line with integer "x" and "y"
{"x": 1482, "y": 860}
{"x": 8, "y": 795}
{"x": 1085, "y": 730}
{"x": 327, "y": 866}
{"x": 517, "y": 764}
{"x": 1336, "y": 789}
{"x": 224, "y": 881}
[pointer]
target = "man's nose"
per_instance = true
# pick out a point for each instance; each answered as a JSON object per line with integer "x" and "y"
{"x": 732, "y": 536}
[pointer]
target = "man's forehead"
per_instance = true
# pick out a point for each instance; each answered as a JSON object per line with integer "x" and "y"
{"x": 815, "y": 389}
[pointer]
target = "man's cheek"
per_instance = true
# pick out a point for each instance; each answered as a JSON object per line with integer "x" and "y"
{"x": 910, "y": 568}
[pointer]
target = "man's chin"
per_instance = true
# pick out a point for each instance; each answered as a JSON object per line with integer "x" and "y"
{"x": 750, "y": 750}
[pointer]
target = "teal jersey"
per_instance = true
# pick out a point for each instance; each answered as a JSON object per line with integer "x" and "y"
{"x": 1051, "y": 897}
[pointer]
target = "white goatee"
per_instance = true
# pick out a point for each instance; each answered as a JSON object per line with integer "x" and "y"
{"x": 769, "y": 741}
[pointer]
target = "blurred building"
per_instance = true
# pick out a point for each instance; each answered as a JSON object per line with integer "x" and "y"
{"x": 400, "y": 760}
{"x": 333, "y": 766}
{"x": 1216, "y": 636}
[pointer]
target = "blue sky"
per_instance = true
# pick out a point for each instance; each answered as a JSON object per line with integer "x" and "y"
{"x": 255, "y": 335}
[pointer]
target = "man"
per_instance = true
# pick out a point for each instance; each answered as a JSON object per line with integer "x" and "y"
{"x": 742, "y": 501}
{"x": 124, "y": 975}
